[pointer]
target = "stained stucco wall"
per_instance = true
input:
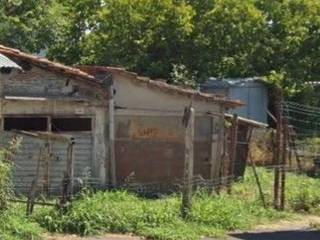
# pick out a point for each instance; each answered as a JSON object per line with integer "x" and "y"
{"x": 131, "y": 94}
{"x": 150, "y": 135}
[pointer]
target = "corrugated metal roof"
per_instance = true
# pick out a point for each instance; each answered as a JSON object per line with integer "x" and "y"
{"x": 231, "y": 82}
{"x": 5, "y": 62}
{"x": 248, "y": 121}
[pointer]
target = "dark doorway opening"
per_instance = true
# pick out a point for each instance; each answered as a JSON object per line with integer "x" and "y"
{"x": 26, "y": 123}
{"x": 71, "y": 124}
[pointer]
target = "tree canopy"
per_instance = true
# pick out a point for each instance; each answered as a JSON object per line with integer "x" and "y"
{"x": 186, "y": 41}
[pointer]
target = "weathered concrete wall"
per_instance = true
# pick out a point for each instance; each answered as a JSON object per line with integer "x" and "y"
{"x": 43, "y": 83}
{"x": 90, "y": 149}
{"x": 61, "y": 98}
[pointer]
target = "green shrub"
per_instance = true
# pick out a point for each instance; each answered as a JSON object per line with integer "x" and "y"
{"x": 13, "y": 223}
{"x": 6, "y": 170}
{"x": 5, "y": 181}
{"x": 303, "y": 194}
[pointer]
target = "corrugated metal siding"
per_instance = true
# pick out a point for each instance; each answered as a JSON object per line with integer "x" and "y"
{"x": 152, "y": 147}
{"x": 256, "y": 100}
{"x": 7, "y": 63}
{"x": 252, "y": 92}
{"x": 25, "y": 161}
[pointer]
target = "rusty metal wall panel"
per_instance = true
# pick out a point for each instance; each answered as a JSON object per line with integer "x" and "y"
{"x": 152, "y": 148}
{"x": 149, "y": 161}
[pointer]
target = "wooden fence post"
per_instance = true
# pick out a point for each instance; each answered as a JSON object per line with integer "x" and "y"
{"x": 233, "y": 151}
{"x": 256, "y": 176}
{"x": 70, "y": 166}
{"x": 2, "y": 80}
{"x": 283, "y": 169}
{"x": 188, "y": 123}
{"x": 47, "y": 166}
{"x": 278, "y": 156}
{"x": 34, "y": 185}
{"x": 112, "y": 137}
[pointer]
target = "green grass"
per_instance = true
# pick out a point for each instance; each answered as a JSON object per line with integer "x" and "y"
{"x": 302, "y": 192}
{"x": 15, "y": 226}
{"x": 121, "y": 212}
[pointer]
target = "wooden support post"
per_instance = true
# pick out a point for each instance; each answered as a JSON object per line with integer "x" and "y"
{"x": 34, "y": 185}
{"x": 217, "y": 145}
{"x": 112, "y": 157}
{"x": 226, "y": 160}
{"x": 213, "y": 149}
{"x": 289, "y": 146}
{"x": 256, "y": 176}
{"x": 2, "y": 80}
{"x": 47, "y": 165}
{"x": 278, "y": 156}
{"x": 233, "y": 151}
{"x": 70, "y": 167}
{"x": 283, "y": 169}
{"x": 188, "y": 123}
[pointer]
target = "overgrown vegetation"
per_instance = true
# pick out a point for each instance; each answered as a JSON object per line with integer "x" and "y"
{"x": 122, "y": 212}
{"x": 13, "y": 223}
{"x": 5, "y": 182}
{"x": 15, "y": 226}
{"x": 302, "y": 192}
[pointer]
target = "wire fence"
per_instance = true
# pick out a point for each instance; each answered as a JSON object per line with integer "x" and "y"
{"x": 297, "y": 148}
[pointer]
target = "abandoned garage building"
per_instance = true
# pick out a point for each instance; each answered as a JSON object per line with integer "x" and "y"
{"x": 50, "y": 97}
{"x": 149, "y": 137}
{"x": 125, "y": 127}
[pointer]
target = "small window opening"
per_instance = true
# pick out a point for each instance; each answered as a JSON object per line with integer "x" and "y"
{"x": 67, "y": 82}
{"x": 26, "y": 123}
{"x": 71, "y": 124}
{"x": 6, "y": 70}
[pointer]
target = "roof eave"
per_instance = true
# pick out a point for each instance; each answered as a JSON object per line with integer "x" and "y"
{"x": 51, "y": 66}
{"x": 165, "y": 86}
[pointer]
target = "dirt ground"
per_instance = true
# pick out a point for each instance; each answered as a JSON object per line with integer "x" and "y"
{"x": 299, "y": 229}
{"x": 102, "y": 237}
{"x": 302, "y": 229}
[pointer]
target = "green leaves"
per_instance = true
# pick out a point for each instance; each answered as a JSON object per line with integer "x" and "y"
{"x": 210, "y": 38}
{"x": 25, "y": 24}
{"x": 144, "y": 36}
